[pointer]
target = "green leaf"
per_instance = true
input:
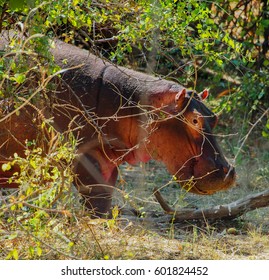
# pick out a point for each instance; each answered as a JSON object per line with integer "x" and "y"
{"x": 115, "y": 212}
{"x": 106, "y": 257}
{"x": 33, "y": 163}
{"x": 265, "y": 22}
{"x": 16, "y": 4}
{"x": 39, "y": 251}
{"x": 15, "y": 254}
{"x": 266, "y": 63}
{"x": 19, "y": 78}
{"x": 71, "y": 244}
{"x": 31, "y": 251}
{"x": 6, "y": 166}
{"x": 265, "y": 134}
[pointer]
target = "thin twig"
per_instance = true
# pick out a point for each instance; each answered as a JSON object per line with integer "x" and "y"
{"x": 249, "y": 132}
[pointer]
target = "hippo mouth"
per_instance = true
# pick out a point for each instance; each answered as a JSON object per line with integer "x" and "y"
{"x": 209, "y": 182}
{"x": 194, "y": 188}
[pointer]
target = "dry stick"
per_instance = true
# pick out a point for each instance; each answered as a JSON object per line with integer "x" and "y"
{"x": 167, "y": 209}
{"x": 226, "y": 211}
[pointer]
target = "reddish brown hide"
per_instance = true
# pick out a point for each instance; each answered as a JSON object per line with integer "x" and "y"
{"x": 124, "y": 116}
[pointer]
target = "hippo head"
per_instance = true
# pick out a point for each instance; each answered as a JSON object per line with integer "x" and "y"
{"x": 182, "y": 138}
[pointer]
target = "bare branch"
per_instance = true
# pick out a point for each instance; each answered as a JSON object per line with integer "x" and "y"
{"x": 226, "y": 211}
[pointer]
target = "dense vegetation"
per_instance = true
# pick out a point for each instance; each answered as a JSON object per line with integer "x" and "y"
{"x": 221, "y": 45}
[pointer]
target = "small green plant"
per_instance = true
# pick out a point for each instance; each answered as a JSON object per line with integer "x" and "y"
{"x": 265, "y": 132}
{"x": 43, "y": 177}
{"x": 44, "y": 180}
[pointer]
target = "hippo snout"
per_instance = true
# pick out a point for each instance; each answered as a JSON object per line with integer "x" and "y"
{"x": 212, "y": 175}
{"x": 226, "y": 170}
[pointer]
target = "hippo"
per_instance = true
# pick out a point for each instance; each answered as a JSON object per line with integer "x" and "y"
{"x": 121, "y": 115}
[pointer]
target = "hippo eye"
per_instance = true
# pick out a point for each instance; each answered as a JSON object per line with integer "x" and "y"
{"x": 195, "y": 121}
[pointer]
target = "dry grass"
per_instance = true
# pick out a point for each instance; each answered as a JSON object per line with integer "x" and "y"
{"x": 96, "y": 239}
{"x": 73, "y": 235}
{"x": 79, "y": 237}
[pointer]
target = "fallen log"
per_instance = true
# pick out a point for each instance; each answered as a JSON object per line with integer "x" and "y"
{"x": 220, "y": 212}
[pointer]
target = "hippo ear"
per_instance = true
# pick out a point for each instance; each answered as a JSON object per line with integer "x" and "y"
{"x": 179, "y": 98}
{"x": 204, "y": 94}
